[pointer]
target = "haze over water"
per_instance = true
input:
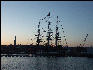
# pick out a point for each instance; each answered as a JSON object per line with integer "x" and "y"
{"x": 21, "y": 19}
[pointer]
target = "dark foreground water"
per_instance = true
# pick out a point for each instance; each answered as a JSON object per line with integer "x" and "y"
{"x": 46, "y": 63}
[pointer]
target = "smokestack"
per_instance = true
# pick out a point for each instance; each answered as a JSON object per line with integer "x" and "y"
{"x": 15, "y": 41}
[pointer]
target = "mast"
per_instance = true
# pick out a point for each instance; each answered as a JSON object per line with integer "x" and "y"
{"x": 49, "y": 33}
{"x": 38, "y": 35}
{"x": 82, "y": 45}
{"x": 57, "y": 34}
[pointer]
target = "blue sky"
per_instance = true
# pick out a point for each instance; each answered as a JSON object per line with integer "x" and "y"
{"x": 21, "y": 18}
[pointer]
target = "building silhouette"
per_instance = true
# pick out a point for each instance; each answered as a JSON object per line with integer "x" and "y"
{"x": 15, "y": 41}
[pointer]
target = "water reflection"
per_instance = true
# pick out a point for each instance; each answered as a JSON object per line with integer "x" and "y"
{"x": 46, "y": 63}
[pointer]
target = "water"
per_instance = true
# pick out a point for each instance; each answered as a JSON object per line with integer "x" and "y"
{"x": 46, "y": 63}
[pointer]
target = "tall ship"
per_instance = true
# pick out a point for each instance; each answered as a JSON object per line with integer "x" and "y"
{"x": 49, "y": 42}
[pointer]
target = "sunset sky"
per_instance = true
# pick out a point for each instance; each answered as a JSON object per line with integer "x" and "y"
{"x": 21, "y": 18}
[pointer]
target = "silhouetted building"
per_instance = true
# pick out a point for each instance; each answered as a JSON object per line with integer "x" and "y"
{"x": 15, "y": 41}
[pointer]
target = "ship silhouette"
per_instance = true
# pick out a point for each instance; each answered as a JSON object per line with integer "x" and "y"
{"x": 47, "y": 49}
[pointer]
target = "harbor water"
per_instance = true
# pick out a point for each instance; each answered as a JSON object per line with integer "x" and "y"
{"x": 46, "y": 63}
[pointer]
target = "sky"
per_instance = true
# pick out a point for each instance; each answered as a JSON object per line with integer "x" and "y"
{"x": 21, "y": 18}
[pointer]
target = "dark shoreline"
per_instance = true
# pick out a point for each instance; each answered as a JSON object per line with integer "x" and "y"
{"x": 59, "y": 51}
